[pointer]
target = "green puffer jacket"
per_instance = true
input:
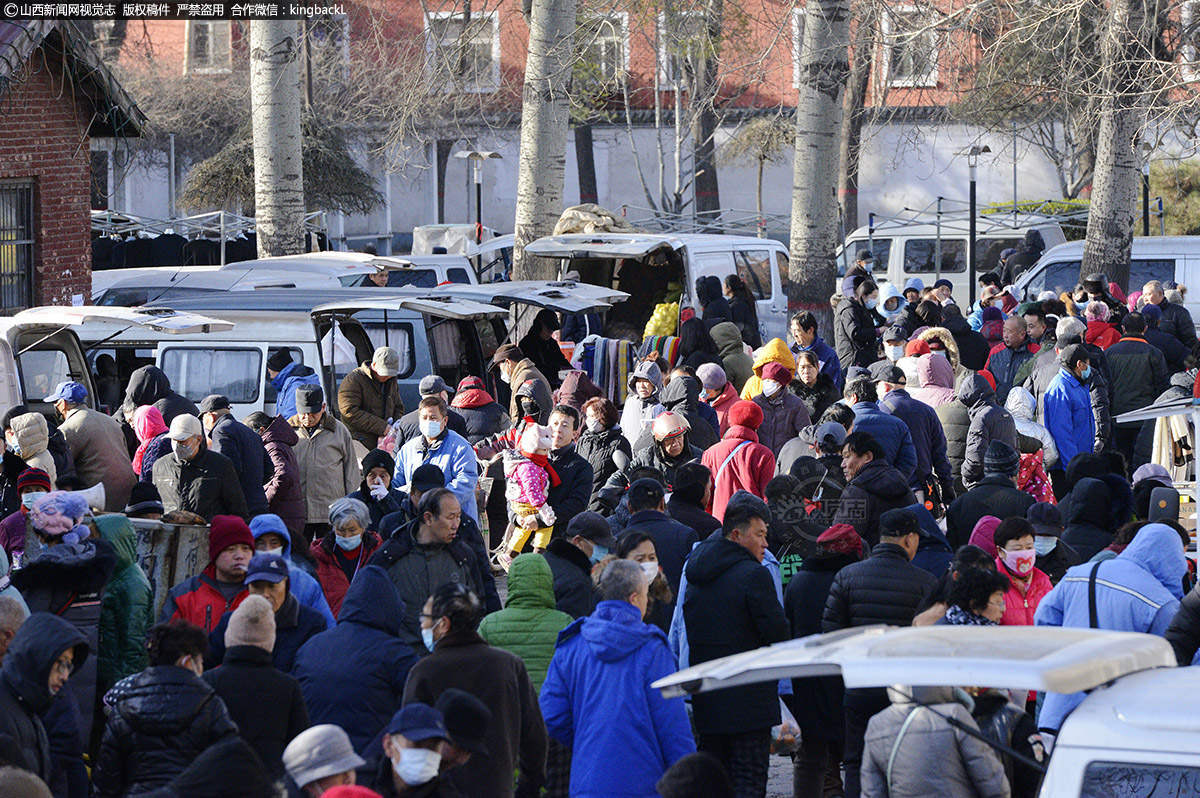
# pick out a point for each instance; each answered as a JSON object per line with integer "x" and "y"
{"x": 528, "y": 626}
{"x": 125, "y": 613}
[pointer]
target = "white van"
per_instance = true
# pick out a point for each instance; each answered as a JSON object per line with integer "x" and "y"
{"x": 906, "y": 250}
{"x": 1134, "y": 736}
{"x": 643, "y": 264}
{"x": 131, "y": 287}
{"x": 1152, "y": 258}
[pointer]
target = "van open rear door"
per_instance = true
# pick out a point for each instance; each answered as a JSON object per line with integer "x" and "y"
{"x": 563, "y": 296}
{"x": 601, "y": 245}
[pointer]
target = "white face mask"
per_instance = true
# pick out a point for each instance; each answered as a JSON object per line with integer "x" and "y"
{"x": 430, "y": 429}
{"x": 183, "y": 452}
{"x": 277, "y": 551}
{"x": 504, "y": 376}
{"x": 417, "y": 765}
{"x": 770, "y": 387}
{"x": 650, "y": 569}
{"x": 594, "y": 425}
{"x": 894, "y": 353}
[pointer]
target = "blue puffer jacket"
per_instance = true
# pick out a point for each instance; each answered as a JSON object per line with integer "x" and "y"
{"x": 353, "y": 674}
{"x": 598, "y": 702}
{"x": 301, "y": 584}
{"x": 892, "y": 433}
{"x": 285, "y": 384}
{"x": 454, "y": 456}
{"x": 1138, "y": 591}
{"x": 1067, "y": 413}
{"x": 928, "y": 437}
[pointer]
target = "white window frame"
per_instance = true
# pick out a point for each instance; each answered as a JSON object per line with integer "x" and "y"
{"x": 666, "y": 81}
{"x": 930, "y": 79}
{"x": 797, "y": 43}
{"x": 431, "y": 49}
{"x": 623, "y": 18}
{"x": 215, "y": 26}
{"x": 1189, "y": 16}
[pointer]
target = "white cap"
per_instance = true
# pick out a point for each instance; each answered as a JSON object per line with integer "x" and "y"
{"x": 184, "y": 426}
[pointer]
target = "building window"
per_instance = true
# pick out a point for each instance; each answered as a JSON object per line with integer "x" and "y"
{"x": 682, "y": 42}
{"x": 209, "y": 46}
{"x": 911, "y": 47}
{"x": 16, "y": 245}
{"x": 797, "y": 44}
{"x": 464, "y": 53}
{"x": 604, "y": 44}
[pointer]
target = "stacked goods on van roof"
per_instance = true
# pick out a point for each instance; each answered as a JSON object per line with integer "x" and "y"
{"x": 590, "y": 218}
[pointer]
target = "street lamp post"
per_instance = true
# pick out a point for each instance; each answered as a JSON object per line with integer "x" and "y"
{"x": 972, "y": 162}
{"x": 477, "y": 157}
{"x": 1146, "y": 149}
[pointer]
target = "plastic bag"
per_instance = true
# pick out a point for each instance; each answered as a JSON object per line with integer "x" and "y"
{"x": 785, "y": 738}
{"x": 388, "y": 442}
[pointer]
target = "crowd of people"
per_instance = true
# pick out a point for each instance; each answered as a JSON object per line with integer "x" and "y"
{"x": 370, "y": 621}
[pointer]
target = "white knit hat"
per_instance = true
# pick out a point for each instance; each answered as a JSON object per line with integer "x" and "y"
{"x": 252, "y": 624}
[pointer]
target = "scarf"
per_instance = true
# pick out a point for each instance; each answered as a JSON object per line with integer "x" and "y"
{"x": 543, "y": 461}
{"x": 957, "y": 616}
{"x": 147, "y": 424}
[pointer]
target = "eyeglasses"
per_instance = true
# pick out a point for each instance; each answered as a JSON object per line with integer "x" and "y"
{"x": 997, "y": 604}
{"x": 65, "y": 667}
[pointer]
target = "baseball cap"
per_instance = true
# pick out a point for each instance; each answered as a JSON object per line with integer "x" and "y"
{"x": 594, "y": 527}
{"x": 895, "y": 333}
{"x": 1045, "y": 518}
{"x": 265, "y": 567}
{"x": 865, "y": 255}
{"x": 319, "y": 752}
{"x": 433, "y": 384}
{"x": 418, "y": 722}
{"x": 214, "y": 402}
{"x": 386, "y": 362}
{"x": 72, "y": 392}
{"x": 507, "y": 352}
{"x": 886, "y": 371}
{"x": 427, "y": 476}
{"x": 829, "y": 433}
{"x": 900, "y": 522}
{"x": 646, "y": 490}
{"x": 185, "y": 426}
{"x": 309, "y": 398}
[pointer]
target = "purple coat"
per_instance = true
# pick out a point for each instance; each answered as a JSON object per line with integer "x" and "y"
{"x": 12, "y": 536}
{"x": 282, "y": 485}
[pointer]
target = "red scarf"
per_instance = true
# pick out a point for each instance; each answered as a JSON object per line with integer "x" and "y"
{"x": 544, "y": 461}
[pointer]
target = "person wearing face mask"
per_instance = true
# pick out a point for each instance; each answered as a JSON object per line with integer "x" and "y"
{"x": 195, "y": 479}
{"x": 97, "y": 444}
{"x": 443, "y": 447}
{"x": 895, "y": 338}
{"x": 1054, "y": 556}
{"x": 623, "y": 739}
{"x": 161, "y": 719}
{"x": 1067, "y": 404}
{"x": 670, "y": 540}
{"x": 11, "y": 464}
{"x": 599, "y": 443}
{"x": 515, "y": 370}
{"x": 588, "y": 540}
{"x": 784, "y": 413}
{"x": 32, "y": 485}
{"x": 271, "y": 536}
{"x": 638, "y": 547}
{"x": 1016, "y": 558}
{"x": 345, "y": 549}
{"x": 856, "y": 327}
{"x": 412, "y": 743}
{"x": 376, "y": 490}
{"x": 326, "y": 458}
{"x": 409, "y": 425}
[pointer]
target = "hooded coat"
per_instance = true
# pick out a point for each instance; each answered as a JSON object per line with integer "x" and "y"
{"x": 950, "y": 346}
{"x": 599, "y": 448}
{"x": 545, "y": 354}
{"x": 206, "y": 485}
{"x": 775, "y": 351}
{"x": 245, "y": 449}
{"x": 1101, "y": 333}
{"x": 956, "y": 422}
{"x": 367, "y": 405}
{"x": 301, "y": 584}
{"x": 738, "y": 462}
{"x": 529, "y": 624}
{"x": 598, "y": 702}
{"x": 720, "y": 405}
{"x": 909, "y": 751}
{"x": 784, "y": 417}
{"x": 571, "y": 569}
{"x": 875, "y": 489}
{"x": 730, "y": 606}
{"x": 1137, "y": 591}
{"x": 738, "y": 366}
{"x": 482, "y": 415}
{"x": 126, "y": 608}
{"x": 1031, "y": 436}
{"x": 1089, "y": 519}
{"x": 12, "y": 465}
{"x": 227, "y": 769}
{"x": 159, "y": 720}
{"x": 989, "y": 422}
{"x": 523, "y": 372}
{"x": 682, "y": 396}
{"x": 353, "y": 674}
{"x": 937, "y": 381}
{"x": 282, "y": 488}
{"x": 891, "y": 433}
{"x": 150, "y": 385}
{"x": 640, "y": 413}
{"x": 25, "y": 688}
{"x": 32, "y": 435}
{"x": 285, "y": 384}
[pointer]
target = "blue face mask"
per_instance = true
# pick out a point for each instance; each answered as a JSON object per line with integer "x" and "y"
{"x": 348, "y": 544}
{"x": 1087, "y": 374}
{"x": 427, "y": 638}
{"x": 598, "y": 553}
{"x": 871, "y": 303}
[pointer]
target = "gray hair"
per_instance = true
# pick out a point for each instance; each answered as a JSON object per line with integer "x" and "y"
{"x": 12, "y": 613}
{"x": 621, "y": 579}
{"x": 347, "y": 509}
{"x": 1069, "y": 325}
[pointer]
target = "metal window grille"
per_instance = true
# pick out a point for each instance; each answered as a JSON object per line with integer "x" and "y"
{"x": 16, "y": 246}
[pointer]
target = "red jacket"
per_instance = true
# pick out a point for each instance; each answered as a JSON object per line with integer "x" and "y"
{"x": 722, "y": 404}
{"x": 1018, "y": 609}
{"x": 750, "y": 468}
{"x": 329, "y": 571}
{"x": 199, "y": 602}
{"x": 1101, "y": 334}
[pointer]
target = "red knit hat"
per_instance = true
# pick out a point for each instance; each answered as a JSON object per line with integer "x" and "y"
{"x": 225, "y": 531}
{"x": 745, "y": 413}
{"x": 34, "y": 478}
{"x": 916, "y": 348}
{"x": 778, "y": 372}
{"x": 840, "y": 539}
{"x": 991, "y": 378}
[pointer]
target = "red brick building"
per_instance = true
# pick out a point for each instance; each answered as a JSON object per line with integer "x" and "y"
{"x": 55, "y": 93}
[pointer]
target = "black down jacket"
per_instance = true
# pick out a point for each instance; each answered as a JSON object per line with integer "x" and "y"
{"x": 682, "y": 396}
{"x": 598, "y": 449}
{"x": 956, "y": 421}
{"x": 1088, "y": 521}
{"x": 886, "y": 588}
{"x": 875, "y": 489}
{"x": 159, "y": 721}
{"x": 989, "y": 422}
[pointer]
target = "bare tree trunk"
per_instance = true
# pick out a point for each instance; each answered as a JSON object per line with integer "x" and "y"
{"x": 585, "y": 164}
{"x": 544, "y": 124}
{"x": 854, "y": 115}
{"x": 1113, "y": 210}
{"x": 275, "y": 117}
{"x": 705, "y": 188}
{"x": 823, "y": 71}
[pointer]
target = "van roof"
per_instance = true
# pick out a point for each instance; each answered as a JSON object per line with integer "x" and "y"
{"x": 1142, "y": 245}
{"x": 638, "y": 244}
{"x": 1156, "y": 710}
{"x": 986, "y": 227}
{"x": 301, "y": 300}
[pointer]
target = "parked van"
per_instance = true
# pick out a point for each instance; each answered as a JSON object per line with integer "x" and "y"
{"x": 1153, "y": 258}
{"x": 906, "y": 250}
{"x": 417, "y": 271}
{"x": 491, "y": 259}
{"x": 1134, "y": 735}
{"x": 647, "y": 266}
{"x": 121, "y": 288}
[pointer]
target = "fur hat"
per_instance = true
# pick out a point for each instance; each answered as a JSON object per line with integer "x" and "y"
{"x": 745, "y": 413}
{"x": 536, "y": 437}
{"x": 252, "y": 624}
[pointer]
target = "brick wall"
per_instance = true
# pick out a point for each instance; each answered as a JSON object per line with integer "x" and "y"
{"x": 43, "y": 138}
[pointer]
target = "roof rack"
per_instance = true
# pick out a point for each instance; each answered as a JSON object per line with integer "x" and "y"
{"x": 727, "y": 220}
